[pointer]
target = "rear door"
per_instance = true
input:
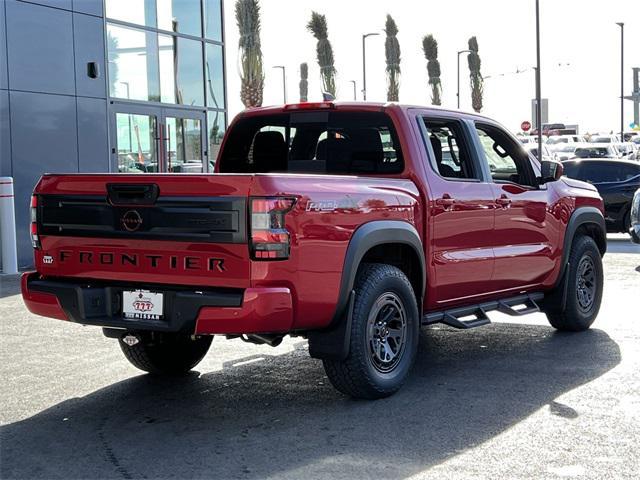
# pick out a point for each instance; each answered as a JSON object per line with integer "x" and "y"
{"x": 526, "y": 231}
{"x": 461, "y": 213}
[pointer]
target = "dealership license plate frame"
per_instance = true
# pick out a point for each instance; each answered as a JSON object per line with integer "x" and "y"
{"x": 142, "y": 305}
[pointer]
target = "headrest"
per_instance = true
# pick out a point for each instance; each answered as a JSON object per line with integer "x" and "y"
{"x": 269, "y": 152}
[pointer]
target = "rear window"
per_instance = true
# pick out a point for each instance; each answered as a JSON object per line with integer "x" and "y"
{"x": 593, "y": 152}
{"x": 601, "y": 172}
{"x": 337, "y": 143}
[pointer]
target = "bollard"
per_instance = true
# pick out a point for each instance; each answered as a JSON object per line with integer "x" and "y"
{"x": 8, "y": 227}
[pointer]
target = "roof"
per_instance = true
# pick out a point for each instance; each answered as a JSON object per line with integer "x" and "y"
{"x": 367, "y": 106}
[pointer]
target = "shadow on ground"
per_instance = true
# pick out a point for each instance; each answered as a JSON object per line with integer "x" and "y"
{"x": 278, "y": 416}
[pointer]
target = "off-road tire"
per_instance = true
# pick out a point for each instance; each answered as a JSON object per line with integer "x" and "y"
{"x": 576, "y": 317}
{"x": 166, "y": 354}
{"x": 357, "y": 375}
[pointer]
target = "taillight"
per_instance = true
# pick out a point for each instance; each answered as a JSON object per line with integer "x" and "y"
{"x": 35, "y": 239}
{"x": 269, "y": 237}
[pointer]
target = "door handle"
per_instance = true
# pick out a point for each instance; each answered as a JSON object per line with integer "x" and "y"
{"x": 445, "y": 201}
{"x": 503, "y": 201}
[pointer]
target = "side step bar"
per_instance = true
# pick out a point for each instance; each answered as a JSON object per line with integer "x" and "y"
{"x": 453, "y": 317}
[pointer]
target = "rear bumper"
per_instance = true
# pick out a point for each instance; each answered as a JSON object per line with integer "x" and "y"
{"x": 188, "y": 310}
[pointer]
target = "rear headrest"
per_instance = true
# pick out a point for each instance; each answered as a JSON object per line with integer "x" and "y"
{"x": 269, "y": 152}
{"x": 367, "y": 154}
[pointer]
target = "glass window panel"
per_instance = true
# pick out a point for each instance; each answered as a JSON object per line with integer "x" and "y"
{"x": 133, "y": 64}
{"x": 217, "y": 121}
{"x": 135, "y": 142}
{"x": 184, "y": 145}
{"x": 141, "y": 12}
{"x": 181, "y": 70}
{"x": 180, "y": 16}
{"x": 215, "y": 76}
{"x": 213, "y": 19}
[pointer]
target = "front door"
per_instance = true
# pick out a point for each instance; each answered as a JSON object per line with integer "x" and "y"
{"x": 526, "y": 230}
{"x": 146, "y": 139}
{"x": 461, "y": 215}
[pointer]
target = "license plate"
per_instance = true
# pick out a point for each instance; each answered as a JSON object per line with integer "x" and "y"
{"x": 142, "y": 305}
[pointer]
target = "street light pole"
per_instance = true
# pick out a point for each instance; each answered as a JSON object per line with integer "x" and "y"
{"x": 458, "y": 91}
{"x": 354, "y": 89}
{"x": 538, "y": 86}
{"x": 364, "y": 64}
{"x": 284, "y": 82}
{"x": 621, "y": 25}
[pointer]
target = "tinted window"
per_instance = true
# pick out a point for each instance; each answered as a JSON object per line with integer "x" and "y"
{"x": 572, "y": 170}
{"x": 605, "y": 172}
{"x": 593, "y": 152}
{"x": 314, "y": 142}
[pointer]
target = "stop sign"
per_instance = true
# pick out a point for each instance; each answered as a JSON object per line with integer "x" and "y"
{"x": 525, "y": 126}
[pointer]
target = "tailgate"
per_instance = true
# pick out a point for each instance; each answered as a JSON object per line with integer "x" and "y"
{"x": 162, "y": 229}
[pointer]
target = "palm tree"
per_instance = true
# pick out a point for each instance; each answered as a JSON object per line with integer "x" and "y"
{"x": 430, "y": 48}
{"x": 392, "y": 54}
{"x": 318, "y": 27}
{"x": 304, "y": 84}
{"x": 250, "y": 55}
{"x": 474, "y": 74}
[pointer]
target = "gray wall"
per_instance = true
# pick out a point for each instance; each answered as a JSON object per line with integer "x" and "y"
{"x": 53, "y": 117}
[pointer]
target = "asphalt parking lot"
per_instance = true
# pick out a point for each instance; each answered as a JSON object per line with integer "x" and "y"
{"x": 509, "y": 400}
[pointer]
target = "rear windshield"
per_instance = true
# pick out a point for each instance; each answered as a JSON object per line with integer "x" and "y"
{"x": 592, "y": 152}
{"x": 337, "y": 143}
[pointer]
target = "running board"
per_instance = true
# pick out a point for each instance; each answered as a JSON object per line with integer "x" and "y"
{"x": 454, "y": 317}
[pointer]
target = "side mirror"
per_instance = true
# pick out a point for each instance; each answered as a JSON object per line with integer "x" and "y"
{"x": 551, "y": 171}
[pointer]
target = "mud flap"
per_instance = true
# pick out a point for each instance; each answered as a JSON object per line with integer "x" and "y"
{"x": 333, "y": 343}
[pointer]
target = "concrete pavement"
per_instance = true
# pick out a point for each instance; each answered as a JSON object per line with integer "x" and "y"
{"x": 509, "y": 400}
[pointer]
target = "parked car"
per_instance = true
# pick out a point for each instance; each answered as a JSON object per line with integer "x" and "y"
{"x": 604, "y": 139}
{"x": 371, "y": 221}
{"x": 634, "y": 230}
{"x": 596, "y": 151}
{"x": 551, "y": 129}
{"x": 526, "y": 139}
{"x": 629, "y": 136}
{"x": 627, "y": 150}
{"x": 616, "y": 180}
{"x": 533, "y": 148}
{"x": 559, "y": 140}
{"x": 566, "y": 151}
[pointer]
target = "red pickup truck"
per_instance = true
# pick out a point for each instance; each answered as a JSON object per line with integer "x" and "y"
{"x": 350, "y": 224}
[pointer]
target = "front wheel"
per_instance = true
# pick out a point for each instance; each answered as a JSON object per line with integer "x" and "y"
{"x": 584, "y": 287}
{"x": 384, "y": 335}
{"x": 165, "y": 353}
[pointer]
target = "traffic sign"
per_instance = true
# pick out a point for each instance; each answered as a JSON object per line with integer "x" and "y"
{"x": 525, "y": 126}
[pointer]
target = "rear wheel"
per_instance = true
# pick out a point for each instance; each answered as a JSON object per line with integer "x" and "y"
{"x": 384, "y": 335}
{"x": 165, "y": 353}
{"x": 584, "y": 287}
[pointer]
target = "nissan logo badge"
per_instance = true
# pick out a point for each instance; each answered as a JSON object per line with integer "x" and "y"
{"x": 131, "y": 221}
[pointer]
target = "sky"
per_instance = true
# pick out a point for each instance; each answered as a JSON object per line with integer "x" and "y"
{"x": 580, "y": 46}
